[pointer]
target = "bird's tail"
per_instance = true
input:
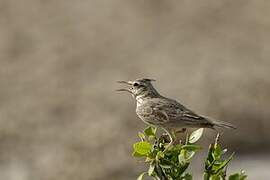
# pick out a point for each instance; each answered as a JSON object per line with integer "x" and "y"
{"x": 220, "y": 124}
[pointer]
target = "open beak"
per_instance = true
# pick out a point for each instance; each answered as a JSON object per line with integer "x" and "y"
{"x": 124, "y": 90}
{"x": 125, "y": 82}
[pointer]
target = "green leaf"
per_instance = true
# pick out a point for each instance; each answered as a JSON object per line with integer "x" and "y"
{"x": 206, "y": 176}
{"x": 238, "y": 176}
{"x": 176, "y": 147}
{"x": 224, "y": 163}
{"x": 135, "y": 154}
{"x": 160, "y": 154}
{"x": 215, "y": 177}
{"x": 195, "y": 135}
{"x": 217, "y": 152}
{"x": 185, "y": 156}
{"x": 183, "y": 168}
{"x": 150, "y": 131}
{"x": 187, "y": 176}
{"x": 191, "y": 147}
{"x": 173, "y": 163}
{"x": 235, "y": 176}
{"x": 142, "y": 148}
{"x": 151, "y": 169}
{"x": 165, "y": 166}
{"x": 141, "y": 176}
{"x": 210, "y": 152}
{"x": 189, "y": 155}
{"x": 181, "y": 158}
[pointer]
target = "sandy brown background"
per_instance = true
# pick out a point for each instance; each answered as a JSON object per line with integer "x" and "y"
{"x": 60, "y": 118}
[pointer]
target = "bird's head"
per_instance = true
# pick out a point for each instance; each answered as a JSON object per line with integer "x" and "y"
{"x": 140, "y": 88}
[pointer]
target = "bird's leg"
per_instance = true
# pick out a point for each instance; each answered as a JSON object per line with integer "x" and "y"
{"x": 165, "y": 136}
{"x": 183, "y": 130}
{"x": 171, "y": 136}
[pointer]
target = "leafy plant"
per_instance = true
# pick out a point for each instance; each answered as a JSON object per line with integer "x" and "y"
{"x": 172, "y": 163}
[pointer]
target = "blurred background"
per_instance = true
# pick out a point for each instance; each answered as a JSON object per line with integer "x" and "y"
{"x": 60, "y": 116}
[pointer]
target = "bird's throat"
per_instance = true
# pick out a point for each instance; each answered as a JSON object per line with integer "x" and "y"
{"x": 140, "y": 99}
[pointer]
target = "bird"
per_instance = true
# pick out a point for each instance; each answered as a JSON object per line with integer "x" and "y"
{"x": 168, "y": 114}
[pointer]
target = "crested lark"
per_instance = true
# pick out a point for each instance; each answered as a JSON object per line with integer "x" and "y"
{"x": 159, "y": 111}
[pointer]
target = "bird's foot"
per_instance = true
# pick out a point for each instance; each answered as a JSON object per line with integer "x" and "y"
{"x": 165, "y": 137}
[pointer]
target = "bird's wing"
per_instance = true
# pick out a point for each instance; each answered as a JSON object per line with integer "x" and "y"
{"x": 178, "y": 113}
{"x": 191, "y": 118}
{"x": 160, "y": 115}
{"x": 160, "y": 111}
{"x": 152, "y": 114}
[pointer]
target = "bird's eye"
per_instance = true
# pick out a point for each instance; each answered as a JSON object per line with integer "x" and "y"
{"x": 135, "y": 84}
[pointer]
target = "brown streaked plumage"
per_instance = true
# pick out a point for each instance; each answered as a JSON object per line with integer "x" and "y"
{"x": 157, "y": 110}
